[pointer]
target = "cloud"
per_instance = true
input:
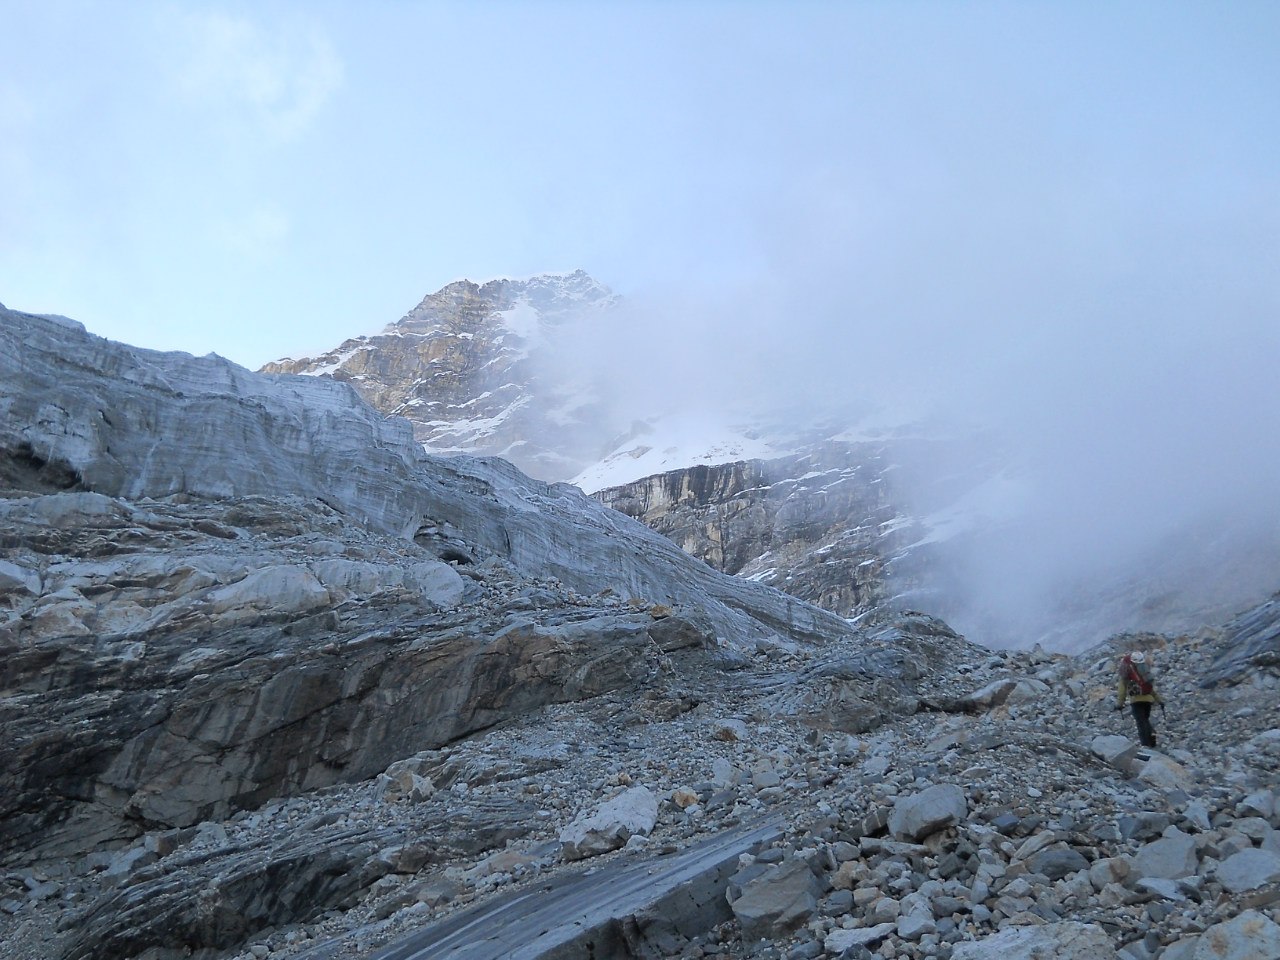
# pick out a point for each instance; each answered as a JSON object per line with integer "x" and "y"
{"x": 1110, "y": 340}
{"x": 276, "y": 79}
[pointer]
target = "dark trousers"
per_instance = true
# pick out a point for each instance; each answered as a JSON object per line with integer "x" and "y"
{"x": 1142, "y": 715}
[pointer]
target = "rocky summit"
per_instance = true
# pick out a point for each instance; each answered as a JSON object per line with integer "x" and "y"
{"x": 276, "y": 683}
{"x": 466, "y": 368}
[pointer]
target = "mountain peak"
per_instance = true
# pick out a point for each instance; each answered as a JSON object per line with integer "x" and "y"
{"x": 462, "y": 367}
{"x": 553, "y": 296}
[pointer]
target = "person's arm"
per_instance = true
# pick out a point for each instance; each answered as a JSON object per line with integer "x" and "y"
{"x": 1124, "y": 692}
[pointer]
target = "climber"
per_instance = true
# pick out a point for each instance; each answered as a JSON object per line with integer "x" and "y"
{"x": 1137, "y": 686}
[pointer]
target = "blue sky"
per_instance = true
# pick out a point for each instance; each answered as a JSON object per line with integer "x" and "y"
{"x": 263, "y": 179}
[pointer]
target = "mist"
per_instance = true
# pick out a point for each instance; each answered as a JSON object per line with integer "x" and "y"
{"x": 1111, "y": 339}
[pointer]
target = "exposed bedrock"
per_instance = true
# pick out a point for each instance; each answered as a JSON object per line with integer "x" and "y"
{"x": 109, "y": 739}
{"x": 133, "y": 423}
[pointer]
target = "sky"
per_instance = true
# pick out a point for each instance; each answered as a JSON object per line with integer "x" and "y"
{"x": 1060, "y": 220}
{"x": 263, "y": 179}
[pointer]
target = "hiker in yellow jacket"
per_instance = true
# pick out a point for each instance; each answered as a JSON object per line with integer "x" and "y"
{"x": 1139, "y": 689}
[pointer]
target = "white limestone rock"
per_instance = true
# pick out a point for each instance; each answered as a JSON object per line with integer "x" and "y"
{"x": 275, "y": 590}
{"x": 1067, "y": 940}
{"x": 632, "y": 812}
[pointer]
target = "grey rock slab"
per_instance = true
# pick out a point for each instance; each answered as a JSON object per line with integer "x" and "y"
{"x": 778, "y": 901}
{"x": 1181, "y": 949}
{"x": 838, "y": 941}
{"x": 1057, "y": 862}
{"x": 601, "y": 911}
{"x": 269, "y": 714}
{"x": 1165, "y": 889}
{"x": 1169, "y": 858}
{"x": 1249, "y": 638}
{"x": 1066, "y": 940}
{"x": 16, "y": 578}
{"x": 1261, "y": 803}
{"x": 215, "y": 900}
{"x": 1249, "y": 869}
{"x": 1163, "y": 772}
{"x": 918, "y": 815}
{"x": 1119, "y": 752}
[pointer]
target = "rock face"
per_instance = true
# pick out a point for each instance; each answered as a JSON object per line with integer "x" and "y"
{"x": 1249, "y": 643}
{"x": 196, "y": 675}
{"x": 827, "y": 538}
{"x": 465, "y": 368}
{"x": 130, "y": 423}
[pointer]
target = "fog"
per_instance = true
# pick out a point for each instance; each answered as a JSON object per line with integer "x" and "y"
{"x": 1113, "y": 344}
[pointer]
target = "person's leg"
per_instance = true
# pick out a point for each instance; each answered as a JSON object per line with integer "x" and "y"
{"x": 1142, "y": 716}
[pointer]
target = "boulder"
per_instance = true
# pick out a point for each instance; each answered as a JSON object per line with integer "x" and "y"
{"x": 1249, "y": 869}
{"x": 1067, "y": 940}
{"x": 1108, "y": 871}
{"x": 276, "y": 590}
{"x": 1261, "y": 803}
{"x": 1119, "y": 752}
{"x": 1005, "y": 691}
{"x": 1170, "y": 858}
{"x": 403, "y": 780}
{"x": 839, "y": 941}
{"x": 731, "y": 730}
{"x": 632, "y": 812}
{"x": 1249, "y": 936}
{"x": 918, "y": 815}
{"x": 1057, "y": 862}
{"x": 778, "y": 901}
{"x": 1160, "y": 771}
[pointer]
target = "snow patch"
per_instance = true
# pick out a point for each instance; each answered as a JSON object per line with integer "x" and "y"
{"x": 329, "y": 366}
{"x": 523, "y": 320}
{"x": 676, "y": 442}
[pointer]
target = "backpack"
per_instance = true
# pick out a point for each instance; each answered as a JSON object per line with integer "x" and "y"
{"x": 1137, "y": 679}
